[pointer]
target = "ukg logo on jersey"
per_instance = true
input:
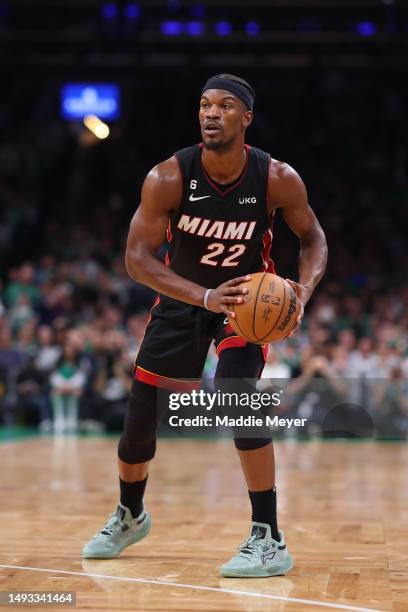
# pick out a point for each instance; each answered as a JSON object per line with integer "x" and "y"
{"x": 250, "y": 200}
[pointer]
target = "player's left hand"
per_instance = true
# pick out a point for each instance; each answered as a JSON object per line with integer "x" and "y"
{"x": 303, "y": 295}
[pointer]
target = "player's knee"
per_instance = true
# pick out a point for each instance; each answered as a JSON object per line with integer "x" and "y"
{"x": 138, "y": 440}
{"x": 245, "y": 444}
{"x": 133, "y": 452}
{"x": 240, "y": 362}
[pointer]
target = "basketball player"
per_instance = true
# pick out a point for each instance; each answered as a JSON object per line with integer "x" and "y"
{"x": 216, "y": 201}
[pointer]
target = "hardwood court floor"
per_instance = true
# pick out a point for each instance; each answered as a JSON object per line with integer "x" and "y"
{"x": 344, "y": 508}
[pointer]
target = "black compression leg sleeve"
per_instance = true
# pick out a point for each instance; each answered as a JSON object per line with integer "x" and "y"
{"x": 138, "y": 441}
{"x": 245, "y": 444}
{"x": 240, "y": 363}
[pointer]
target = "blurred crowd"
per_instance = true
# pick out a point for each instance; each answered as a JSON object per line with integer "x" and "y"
{"x": 70, "y": 332}
{"x": 71, "y": 320}
{"x": 347, "y": 370}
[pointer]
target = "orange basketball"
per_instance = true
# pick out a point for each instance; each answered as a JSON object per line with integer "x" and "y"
{"x": 269, "y": 311}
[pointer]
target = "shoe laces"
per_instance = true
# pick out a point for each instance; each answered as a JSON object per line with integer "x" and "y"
{"x": 251, "y": 546}
{"x": 110, "y": 526}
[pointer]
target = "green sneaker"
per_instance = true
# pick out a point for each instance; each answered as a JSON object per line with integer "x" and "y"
{"x": 259, "y": 555}
{"x": 121, "y": 530}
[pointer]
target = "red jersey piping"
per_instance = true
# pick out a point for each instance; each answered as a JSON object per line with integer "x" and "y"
{"x": 235, "y": 185}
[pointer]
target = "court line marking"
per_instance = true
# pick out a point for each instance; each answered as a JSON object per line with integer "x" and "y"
{"x": 180, "y": 585}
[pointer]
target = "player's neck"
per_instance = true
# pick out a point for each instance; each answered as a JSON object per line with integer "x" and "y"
{"x": 224, "y": 166}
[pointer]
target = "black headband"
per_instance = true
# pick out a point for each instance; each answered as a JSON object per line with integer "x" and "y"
{"x": 232, "y": 86}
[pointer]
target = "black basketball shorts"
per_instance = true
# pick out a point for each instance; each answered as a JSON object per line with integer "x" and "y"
{"x": 176, "y": 342}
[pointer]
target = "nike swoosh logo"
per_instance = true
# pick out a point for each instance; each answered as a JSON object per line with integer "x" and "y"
{"x": 193, "y": 199}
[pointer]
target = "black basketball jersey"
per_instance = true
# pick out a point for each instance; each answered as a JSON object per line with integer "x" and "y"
{"x": 217, "y": 235}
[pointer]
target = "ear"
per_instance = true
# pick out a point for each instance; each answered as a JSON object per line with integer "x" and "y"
{"x": 247, "y": 118}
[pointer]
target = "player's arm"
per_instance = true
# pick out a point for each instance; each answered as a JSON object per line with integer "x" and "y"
{"x": 161, "y": 195}
{"x": 287, "y": 191}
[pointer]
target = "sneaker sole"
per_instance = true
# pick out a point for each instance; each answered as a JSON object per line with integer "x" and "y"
{"x": 139, "y": 535}
{"x": 278, "y": 569}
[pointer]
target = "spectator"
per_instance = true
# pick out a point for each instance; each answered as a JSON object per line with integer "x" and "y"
{"x": 20, "y": 313}
{"x": 391, "y": 405}
{"x": 113, "y": 381}
{"x": 23, "y": 284}
{"x": 48, "y": 352}
{"x": 316, "y": 391}
{"x": 31, "y": 396}
{"x": 363, "y": 361}
{"x": 11, "y": 359}
{"x": 67, "y": 382}
{"x": 26, "y": 338}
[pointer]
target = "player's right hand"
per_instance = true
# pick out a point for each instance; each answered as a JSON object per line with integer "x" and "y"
{"x": 230, "y": 292}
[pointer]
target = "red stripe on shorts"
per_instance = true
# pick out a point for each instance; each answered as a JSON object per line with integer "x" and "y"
{"x": 164, "y": 382}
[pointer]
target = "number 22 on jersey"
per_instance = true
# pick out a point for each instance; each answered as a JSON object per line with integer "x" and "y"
{"x": 217, "y": 255}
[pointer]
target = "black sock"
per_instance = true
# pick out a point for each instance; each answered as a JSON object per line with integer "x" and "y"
{"x": 264, "y": 509}
{"x": 131, "y": 495}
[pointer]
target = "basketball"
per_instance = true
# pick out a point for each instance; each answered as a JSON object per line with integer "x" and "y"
{"x": 269, "y": 311}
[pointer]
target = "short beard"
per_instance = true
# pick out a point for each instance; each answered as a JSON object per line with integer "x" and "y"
{"x": 218, "y": 146}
